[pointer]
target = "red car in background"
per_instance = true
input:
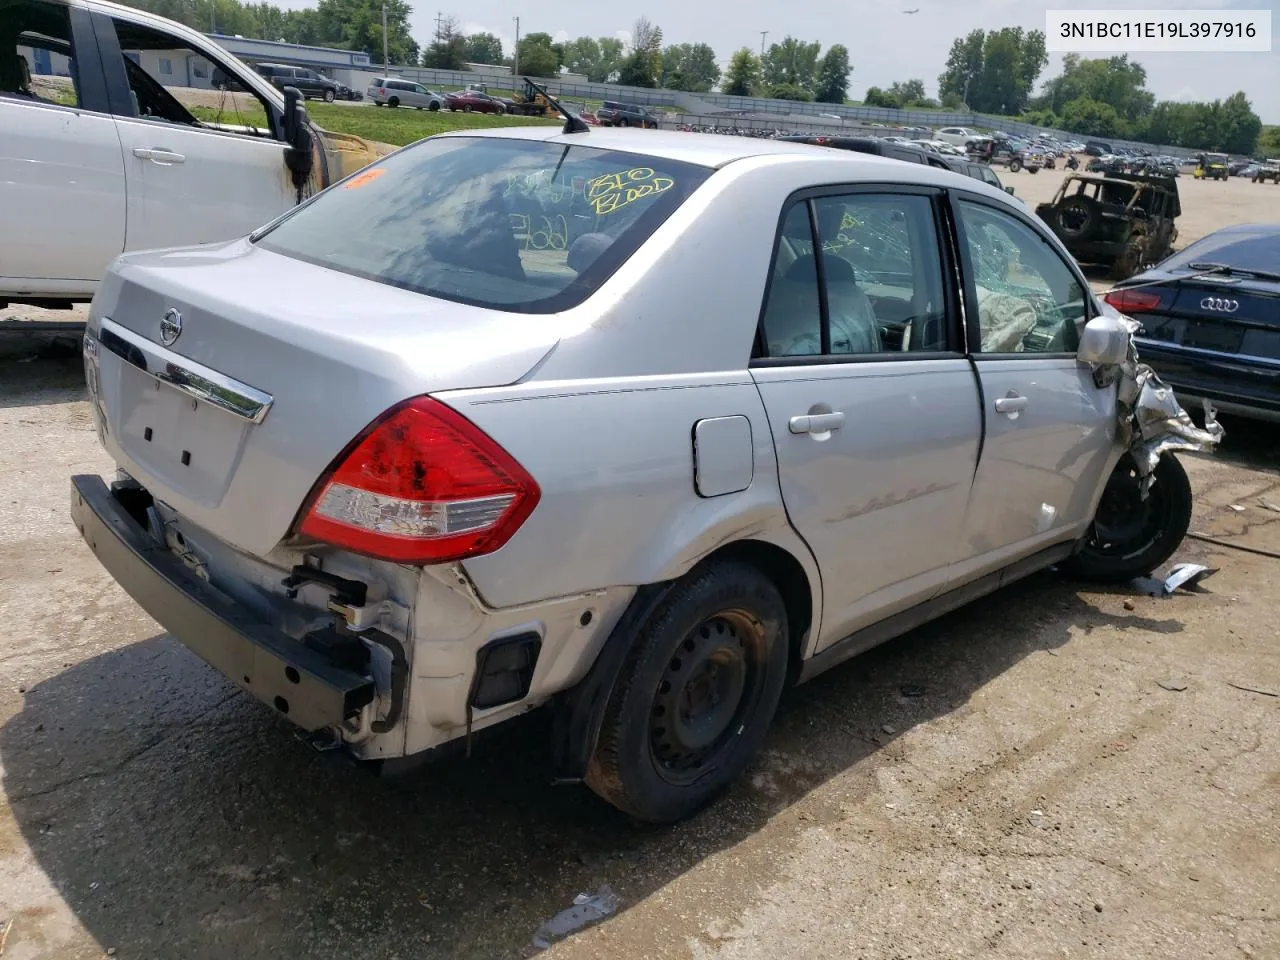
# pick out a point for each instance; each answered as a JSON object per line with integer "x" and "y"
{"x": 473, "y": 101}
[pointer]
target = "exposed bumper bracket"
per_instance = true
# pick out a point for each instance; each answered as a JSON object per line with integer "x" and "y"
{"x": 294, "y": 679}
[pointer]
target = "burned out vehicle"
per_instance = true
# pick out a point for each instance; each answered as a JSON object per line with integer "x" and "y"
{"x": 1124, "y": 220}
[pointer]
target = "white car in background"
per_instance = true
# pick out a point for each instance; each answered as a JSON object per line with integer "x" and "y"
{"x": 100, "y": 156}
{"x": 397, "y": 92}
{"x": 956, "y": 136}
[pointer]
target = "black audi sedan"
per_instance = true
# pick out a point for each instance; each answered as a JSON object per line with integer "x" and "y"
{"x": 1210, "y": 317}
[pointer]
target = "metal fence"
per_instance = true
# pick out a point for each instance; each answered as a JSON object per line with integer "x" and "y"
{"x": 709, "y": 106}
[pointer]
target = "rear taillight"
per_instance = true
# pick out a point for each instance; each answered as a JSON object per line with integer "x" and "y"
{"x": 421, "y": 484}
{"x": 1133, "y": 301}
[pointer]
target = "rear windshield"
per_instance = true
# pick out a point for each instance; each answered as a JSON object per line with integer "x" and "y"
{"x": 516, "y": 225}
{"x": 1243, "y": 248}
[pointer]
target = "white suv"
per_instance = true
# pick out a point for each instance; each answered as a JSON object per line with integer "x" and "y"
{"x": 957, "y": 136}
{"x": 114, "y": 136}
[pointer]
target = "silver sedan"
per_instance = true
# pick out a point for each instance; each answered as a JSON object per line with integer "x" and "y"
{"x": 639, "y": 428}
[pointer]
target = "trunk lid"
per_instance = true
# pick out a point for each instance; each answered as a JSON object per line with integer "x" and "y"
{"x": 1226, "y": 316}
{"x": 328, "y": 351}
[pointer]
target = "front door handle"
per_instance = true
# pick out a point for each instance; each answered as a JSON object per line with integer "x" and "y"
{"x": 158, "y": 155}
{"x": 816, "y": 422}
{"x": 1011, "y": 404}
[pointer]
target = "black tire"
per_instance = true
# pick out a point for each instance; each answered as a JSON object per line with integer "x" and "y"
{"x": 716, "y": 646}
{"x": 1033, "y": 169}
{"x": 624, "y": 122}
{"x": 1015, "y": 165}
{"x": 1129, "y": 262}
{"x": 466, "y": 108}
{"x": 434, "y": 107}
{"x": 329, "y": 96}
{"x": 1078, "y": 218}
{"x": 393, "y": 102}
{"x": 1130, "y": 537}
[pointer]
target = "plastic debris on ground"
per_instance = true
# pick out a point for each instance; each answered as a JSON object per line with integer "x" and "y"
{"x": 1187, "y": 575}
{"x": 587, "y": 909}
{"x": 1180, "y": 575}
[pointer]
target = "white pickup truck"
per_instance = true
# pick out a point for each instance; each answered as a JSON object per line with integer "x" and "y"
{"x": 100, "y": 154}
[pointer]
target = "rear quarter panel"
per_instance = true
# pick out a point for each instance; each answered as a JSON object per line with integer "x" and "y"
{"x": 614, "y": 459}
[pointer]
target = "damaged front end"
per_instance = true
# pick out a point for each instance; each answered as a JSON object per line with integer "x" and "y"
{"x": 1151, "y": 421}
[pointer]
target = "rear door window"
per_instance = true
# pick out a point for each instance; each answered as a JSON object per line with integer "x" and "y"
{"x": 36, "y": 60}
{"x": 516, "y": 225}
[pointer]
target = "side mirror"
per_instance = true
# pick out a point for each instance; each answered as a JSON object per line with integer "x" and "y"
{"x": 1104, "y": 342}
{"x": 297, "y": 134}
{"x": 295, "y": 119}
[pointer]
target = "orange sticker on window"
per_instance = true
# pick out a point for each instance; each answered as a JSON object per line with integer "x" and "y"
{"x": 360, "y": 179}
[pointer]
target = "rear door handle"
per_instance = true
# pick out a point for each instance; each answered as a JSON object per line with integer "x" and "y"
{"x": 158, "y": 155}
{"x": 1011, "y": 404}
{"x": 816, "y": 422}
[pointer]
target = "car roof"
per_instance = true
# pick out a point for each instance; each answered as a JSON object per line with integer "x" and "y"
{"x": 717, "y": 150}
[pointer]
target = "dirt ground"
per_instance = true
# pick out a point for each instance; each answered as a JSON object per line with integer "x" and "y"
{"x": 1075, "y": 773}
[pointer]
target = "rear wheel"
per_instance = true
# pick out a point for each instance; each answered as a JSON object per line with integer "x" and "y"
{"x": 1130, "y": 536}
{"x": 393, "y": 102}
{"x": 1015, "y": 165}
{"x": 1130, "y": 261}
{"x": 696, "y": 695}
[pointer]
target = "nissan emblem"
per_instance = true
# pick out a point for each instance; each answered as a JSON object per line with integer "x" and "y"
{"x": 170, "y": 326}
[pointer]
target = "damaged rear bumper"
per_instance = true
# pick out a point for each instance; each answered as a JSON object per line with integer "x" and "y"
{"x": 295, "y": 680}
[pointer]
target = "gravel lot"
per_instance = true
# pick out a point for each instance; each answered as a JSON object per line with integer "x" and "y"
{"x": 1084, "y": 773}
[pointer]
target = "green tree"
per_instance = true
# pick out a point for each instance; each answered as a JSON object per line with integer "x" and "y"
{"x": 790, "y": 91}
{"x": 484, "y": 48}
{"x": 742, "y": 79}
{"x": 994, "y": 71}
{"x": 1113, "y": 80}
{"x": 448, "y": 51}
{"x": 1041, "y": 118}
{"x": 357, "y": 25}
{"x": 963, "y": 70}
{"x": 832, "y": 83}
{"x": 875, "y": 97}
{"x": 1092, "y": 118}
{"x": 909, "y": 93}
{"x": 690, "y": 66}
{"x": 1269, "y": 141}
{"x": 791, "y": 63}
{"x": 1240, "y": 127}
{"x": 612, "y": 53}
{"x": 598, "y": 60}
{"x": 539, "y": 56}
{"x": 643, "y": 64}
{"x": 583, "y": 56}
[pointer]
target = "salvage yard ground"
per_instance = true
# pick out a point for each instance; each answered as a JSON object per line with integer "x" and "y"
{"x": 1056, "y": 771}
